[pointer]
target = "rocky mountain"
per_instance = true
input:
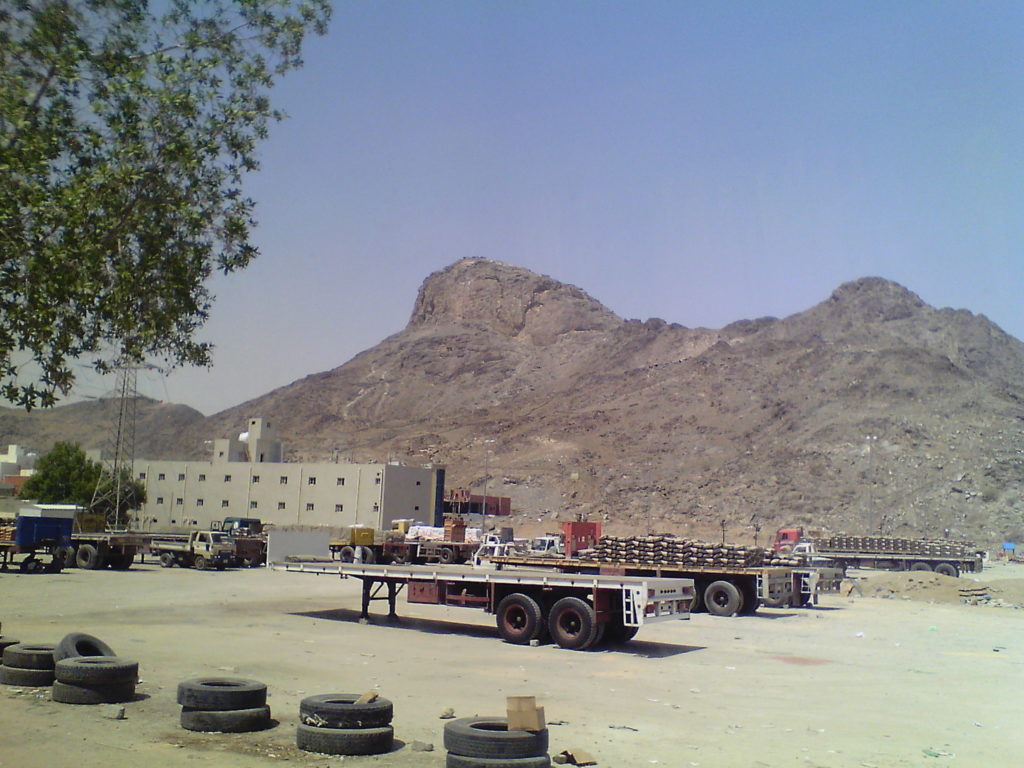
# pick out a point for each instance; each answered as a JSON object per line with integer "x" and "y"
{"x": 871, "y": 411}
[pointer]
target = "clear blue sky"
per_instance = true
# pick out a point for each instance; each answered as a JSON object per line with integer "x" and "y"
{"x": 700, "y": 162}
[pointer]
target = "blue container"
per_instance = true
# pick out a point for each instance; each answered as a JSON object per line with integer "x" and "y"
{"x": 31, "y": 532}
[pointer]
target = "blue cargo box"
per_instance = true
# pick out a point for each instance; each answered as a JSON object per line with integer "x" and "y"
{"x": 33, "y": 531}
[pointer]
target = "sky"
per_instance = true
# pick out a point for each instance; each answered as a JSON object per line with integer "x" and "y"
{"x": 700, "y": 162}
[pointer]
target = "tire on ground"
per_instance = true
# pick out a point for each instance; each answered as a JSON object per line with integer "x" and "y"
{"x": 947, "y": 569}
{"x": 339, "y": 710}
{"x": 490, "y": 737}
{"x": 460, "y": 761}
{"x": 221, "y": 693}
{"x": 723, "y": 598}
{"x": 88, "y": 557}
{"x": 226, "y": 721}
{"x": 29, "y": 656}
{"x": 80, "y": 644}
{"x": 572, "y": 623}
{"x": 97, "y": 670}
{"x": 29, "y": 678}
{"x": 519, "y": 618}
{"x": 345, "y": 741}
{"x": 68, "y": 693}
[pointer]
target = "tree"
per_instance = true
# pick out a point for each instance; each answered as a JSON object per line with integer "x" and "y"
{"x": 131, "y": 497}
{"x": 124, "y": 139}
{"x": 65, "y": 475}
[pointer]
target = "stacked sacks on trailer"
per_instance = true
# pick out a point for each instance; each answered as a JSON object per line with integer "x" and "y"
{"x": 670, "y": 550}
{"x": 345, "y": 724}
{"x": 28, "y": 664}
{"x": 223, "y": 705}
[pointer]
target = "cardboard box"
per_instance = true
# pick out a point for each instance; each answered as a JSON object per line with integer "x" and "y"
{"x": 524, "y": 714}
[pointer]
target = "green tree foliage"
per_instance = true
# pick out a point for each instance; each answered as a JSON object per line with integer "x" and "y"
{"x": 65, "y": 475}
{"x": 124, "y": 138}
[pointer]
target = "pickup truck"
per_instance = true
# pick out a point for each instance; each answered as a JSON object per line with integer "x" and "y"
{"x": 196, "y": 549}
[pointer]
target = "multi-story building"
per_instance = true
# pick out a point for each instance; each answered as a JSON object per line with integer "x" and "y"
{"x": 246, "y": 478}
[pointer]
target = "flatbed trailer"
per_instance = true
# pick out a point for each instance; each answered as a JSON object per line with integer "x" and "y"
{"x": 720, "y": 590}
{"x": 579, "y": 611}
{"x": 946, "y": 565}
{"x": 116, "y": 549}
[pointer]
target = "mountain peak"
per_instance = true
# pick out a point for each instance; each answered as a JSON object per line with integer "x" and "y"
{"x": 875, "y": 299}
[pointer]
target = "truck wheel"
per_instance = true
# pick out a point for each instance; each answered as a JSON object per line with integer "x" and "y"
{"x": 920, "y": 567}
{"x": 347, "y": 554}
{"x": 97, "y": 670}
{"x": 199, "y": 563}
{"x": 616, "y": 632}
{"x": 88, "y": 557}
{"x": 77, "y": 644}
{"x": 519, "y": 619}
{"x": 947, "y": 569}
{"x": 400, "y": 557}
{"x": 750, "y": 600}
{"x": 345, "y": 741}
{"x": 26, "y": 656}
{"x": 572, "y": 623}
{"x": 226, "y": 721}
{"x": 367, "y": 554}
{"x": 167, "y": 560}
{"x": 339, "y": 710}
{"x": 67, "y": 693}
{"x": 31, "y": 564}
{"x": 446, "y": 555}
{"x": 220, "y": 693}
{"x": 458, "y": 761}
{"x": 723, "y": 598}
{"x": 489, "y": 737}
{"x": 121, "y": 561}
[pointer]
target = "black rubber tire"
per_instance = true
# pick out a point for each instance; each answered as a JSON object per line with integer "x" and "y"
{"x": 28, "y": 678}
{"x": 345, "y": 741}
{"x": 80, "y": 644}
{"x": 66, "y": 693}
{"x": 616, "y": 632}
{"x": 723, "y": 598}
{"x": 920, "y": 567}
{"x": 368, "y": 557}
{"x": 88, "y": 557}
{"x": 446, "y": 555}
{"x": 347, "y": 554}
{"x": 200, "y": 563}
{"x": 121, "y": 561}
{"x": 339, "y": 710}
{"x": 226, "y": 721}
{"x": 519, "y": 618}
{"x": 7, "y": 642}
{"x": 97, "y": 670}
{"x": 461, "y": 761}
{"x": 166, "y": 560}
{"x": 490, "y": 737}
{"x": 221, "y": 693}
{"x": 400, "y": 557}
{"x": 947, "y": 569}
{"x": 29, "y": 656}
{"x": 31, "y": 564}
{"x": 572, "y": 624}
{"x": 751, "y": 602}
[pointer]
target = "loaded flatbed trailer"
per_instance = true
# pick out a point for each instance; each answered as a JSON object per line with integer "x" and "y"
{"x": 945, "y": 565}
{"x": 579, "y": 611}
{"x": 117, "y": 549}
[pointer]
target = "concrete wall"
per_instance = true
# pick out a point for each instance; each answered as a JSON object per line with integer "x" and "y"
{"x": 285, "y": 542}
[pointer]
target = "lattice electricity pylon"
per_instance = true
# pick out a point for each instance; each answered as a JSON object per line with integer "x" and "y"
{"x": 122, "y": 453}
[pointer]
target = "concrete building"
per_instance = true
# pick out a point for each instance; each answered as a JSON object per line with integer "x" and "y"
{"x": 245, "y": 477}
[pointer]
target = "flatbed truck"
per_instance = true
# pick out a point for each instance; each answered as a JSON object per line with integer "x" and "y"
{"x": 95, "y": 550}
{"x": 196, "y": 549}
{"x": 577, "y": 611}
{"x": 946, "y": 565}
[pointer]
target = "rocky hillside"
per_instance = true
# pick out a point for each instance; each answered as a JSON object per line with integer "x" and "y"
{"x": 870, "y": 411}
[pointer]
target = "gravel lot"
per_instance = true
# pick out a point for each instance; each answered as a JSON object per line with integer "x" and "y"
{"x": 854, "y": 683}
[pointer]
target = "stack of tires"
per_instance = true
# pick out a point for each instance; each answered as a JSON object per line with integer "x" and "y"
{"x": 223, "y": 705}
{"x": 29, "y": 665}
{"x": 486, "y": 742}
{"x": 88, "y": 672}
{"x": 337, "y": 724}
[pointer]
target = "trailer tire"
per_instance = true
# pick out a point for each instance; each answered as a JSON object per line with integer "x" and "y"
{"x": 947, "y": 569}
{"x": 347, "y": 554}
{"x": 121, "y": 561}
{"x": 345, "y": 741}
{"x": 519, "y": 618}
{"x": 367, "y": 555}
{"x": 77, "y": 644}
{"x": 572, "y": 623}
{"x": 750, "y": 600}
{"x": 68, "y": 693}
{"x": 27, "y": 678}
{"x": 453, "y": 760}
{"x": 31, "y": 564}
{"x": 920, "y": 567}
{"x": 29, "y": 656}
{"x": 339, "y": 710}
{"x": 220, "y": 693}
{"x": 88, "y": 557}
{"x": 400, "y": 557}
{"x": 489, "y": 737}
{"x": 226, "y": 721}
{"x": 446, "y": 555}
{"x": 616, "y": 632}
{"x": 723, "y": 598}
{"x": 166, "y": 560}
{"x": 97, "y": 670}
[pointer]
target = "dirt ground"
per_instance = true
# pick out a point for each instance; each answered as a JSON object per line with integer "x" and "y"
{"x": 858, "y": 682}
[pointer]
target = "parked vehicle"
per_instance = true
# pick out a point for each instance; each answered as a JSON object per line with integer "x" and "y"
{"x": 249, "y": 538}
{"x": 41, "y": 533}
{"x": 578, "y": 611}
{"x": 947, "y": 561}
{"x": 360, "y": 544}
{"x": 196, "y": 549}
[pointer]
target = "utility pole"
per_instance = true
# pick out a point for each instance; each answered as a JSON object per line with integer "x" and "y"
{"x": 871, "y": 439}
{"x": 122, "y": 455}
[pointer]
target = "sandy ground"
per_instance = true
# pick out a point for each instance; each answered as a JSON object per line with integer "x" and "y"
{"x": 856, "y": 682}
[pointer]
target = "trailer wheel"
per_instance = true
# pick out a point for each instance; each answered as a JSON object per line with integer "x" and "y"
{"x": 77, "y": 644}
{"x": 88, "y": 557}
{"x": 367, "y": 555}
{"x": 722, "y": 598}
{"x": 97, "y": 670}
{"x": 220, "y": 693}
{"x": 458, "y": 761}
{"x": 226, "y": 721}
{"x": 166, "y": 560}
{"x": 489, "y": 737}
{"x": 345, "y": 741}
{"x": 616, "y": 632}
{"x": 121, "y": 561}
{"x": 339, "y": 710}
{"x": 750, "y": 600}
{"x": 519, "y": 619}
{"x": 400, "y": 557}
{"x": 572, "y": 623}
{"x": 920, "y": 567}
{"x": 347, "y": 554}
{"x": 68, "y": 693}
{"x": 446, "y": 555}
{"x": 199, "y": 563}
{"x": 947, "y": 569}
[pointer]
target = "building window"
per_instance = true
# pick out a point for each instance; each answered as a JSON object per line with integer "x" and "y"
{"x": 378, "y": 480}
{"x": 202, "y": 478}
{"x": 181, "y": 476}
{"x": 284, "y": 479}
{"x": 252, "y": 505}
{"x": 159, "y": 499}
{"x": 339, "y": 507}
{"x": 341, "y": 481}
{"x": 142, "y": 475}
{"x": 311, "y": 480}
{"x": 224, "y": 502}
{"x": 416, "y": 508}
{"x": 418, "y": 483}
{"x": 280, "y": 505}
{"x": 179, "y": 501}
{"x": 199, "y": 502}
{"x": 161, "y": 476}
{"x": 227, "y": 478}
{"x": 309, "y": 506}
{"x": 376, "y": 507}
{"x": 255, "y": 478}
